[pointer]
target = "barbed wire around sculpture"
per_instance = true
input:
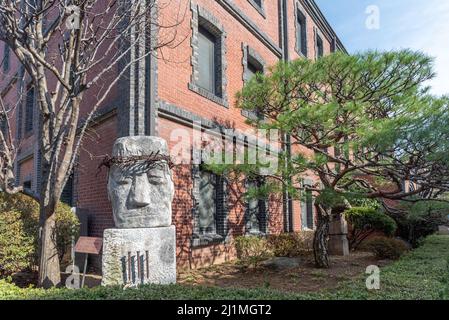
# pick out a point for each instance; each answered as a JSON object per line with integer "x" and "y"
{"x": 146, "y": 162}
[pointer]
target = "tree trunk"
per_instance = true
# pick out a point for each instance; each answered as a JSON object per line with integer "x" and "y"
{"x": 321, "y": 239}
{"x": 49, "y": 269}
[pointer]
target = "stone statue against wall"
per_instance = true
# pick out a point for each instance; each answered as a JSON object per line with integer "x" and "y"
{"x": 142, "y": 247}
{"x": 141, "y": 191}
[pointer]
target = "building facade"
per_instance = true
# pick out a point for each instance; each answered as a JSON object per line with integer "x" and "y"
{"x": 223, "y": 44}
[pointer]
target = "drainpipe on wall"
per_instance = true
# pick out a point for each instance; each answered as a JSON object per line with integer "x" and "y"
{"x": 286, "y": 139}
{"x": 151, "y": 69}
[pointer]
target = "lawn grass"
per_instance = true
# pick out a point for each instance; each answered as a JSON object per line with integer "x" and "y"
{"x": 420, "y": 274}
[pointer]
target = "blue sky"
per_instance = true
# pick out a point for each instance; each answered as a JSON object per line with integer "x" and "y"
{"x": 416, "y": 24}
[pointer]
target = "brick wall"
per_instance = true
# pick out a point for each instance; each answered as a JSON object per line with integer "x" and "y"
{"x": 245, "y": 27}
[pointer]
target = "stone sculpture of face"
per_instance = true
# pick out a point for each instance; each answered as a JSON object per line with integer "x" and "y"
{"x": 141, "y": 198}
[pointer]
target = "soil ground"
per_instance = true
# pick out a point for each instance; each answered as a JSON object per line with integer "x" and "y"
{"x": 305, "y": 278}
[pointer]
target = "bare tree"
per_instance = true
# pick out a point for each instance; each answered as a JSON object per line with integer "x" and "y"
{"x": 8, "y": 151}
{"x": 70, "y": 50}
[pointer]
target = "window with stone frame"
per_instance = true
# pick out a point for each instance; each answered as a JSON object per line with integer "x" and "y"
{"x": 210, "y": 207}
{"x": 207, "y": 66}
{"x": 29, "y": 110}
{"x": 307, "y": 206}
{"x": 208, "y": 56}
{"x": 6, "y": 58}
{"x": 207, "y": 204}
{"x": 256, "y": 210}
{"x": 301, "y": 32}
{"x": 319, "y": 46}
{"x": 253, "y": 64}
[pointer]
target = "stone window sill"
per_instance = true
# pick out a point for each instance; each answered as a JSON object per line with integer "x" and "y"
{"x": 208, "y": 95}
{"x": 255, "y": 234}
{"x": 252, "y": 116}
{"x": 307, "y": 229}
{"x": 202, "y": 240}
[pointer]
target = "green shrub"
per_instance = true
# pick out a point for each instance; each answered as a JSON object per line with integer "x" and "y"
{"x": 422, "y": 219}
{"x": 252, "y": 250}
{"x": 387, "y": 248}
{"x": 22, "y": 212}
{"x": 291, "y": 244}
{"x": 16, "y": 247}
{"x": 283, "y": 245}
{"x": 67, "y": 228}
{"x": 364, "y": 222}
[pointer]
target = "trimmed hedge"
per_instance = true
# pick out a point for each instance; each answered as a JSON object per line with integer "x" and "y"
{"x": 365, "y": 221}
{"x": 386, "y": 248}
{"x": 16, "y": 246}
{"x": 252, "y": 250}
{"x": 292, "y": 244}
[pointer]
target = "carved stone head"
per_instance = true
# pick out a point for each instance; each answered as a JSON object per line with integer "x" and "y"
{"x": 141, "y": 190}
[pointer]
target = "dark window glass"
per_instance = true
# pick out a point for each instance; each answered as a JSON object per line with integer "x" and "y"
{"x": 256, "y": 211}
{"x": 334, "y": 45}
{"x": 207, "y": 64}
{"x": 252, "y": 70}
{"x": 309, "y": 208}
{"x": 6, "y": 57}
{"x": 27, "y": 185}
{"x": 319, "y": 47}
{"x": 29, "y": 110}
{"x": 301, "y": 34}
{"x": 67, "y": 193}
{"x": 3, "y": 124}
{"x": 258, "y": 2}
{"x": 253, "y": 211}
{"x": 207, "y": 203}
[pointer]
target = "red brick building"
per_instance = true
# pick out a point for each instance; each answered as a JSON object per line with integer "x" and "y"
{"x": 196, "y": 82}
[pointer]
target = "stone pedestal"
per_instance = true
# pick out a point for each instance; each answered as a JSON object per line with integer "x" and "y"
{"x": 139, "y": 256}
{"x": 338, "y": 236}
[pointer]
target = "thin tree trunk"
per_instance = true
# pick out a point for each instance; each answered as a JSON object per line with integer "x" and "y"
{"x": 49, "y": 269}
{"x": 321, "y": 239}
